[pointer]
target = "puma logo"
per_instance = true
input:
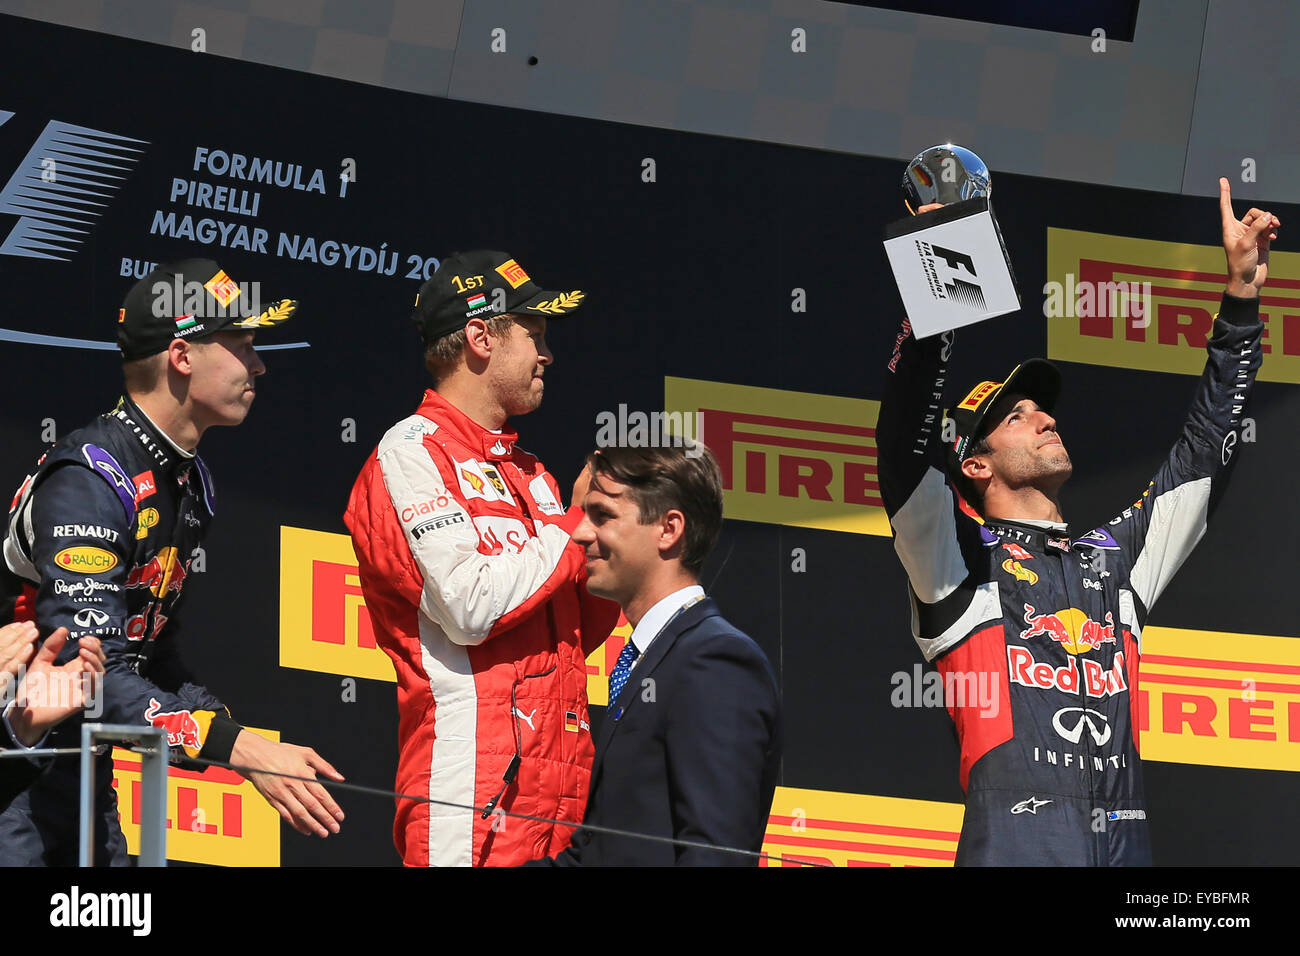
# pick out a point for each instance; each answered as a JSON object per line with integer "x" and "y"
{"x": 527, "y": 718}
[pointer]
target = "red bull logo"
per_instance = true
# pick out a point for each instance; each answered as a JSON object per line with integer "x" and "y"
{"x": 1097, "y": 682}
{"x": 161, "y": 574}
{"x": 182, "y": 729}
{"x": 1071, "y": 628}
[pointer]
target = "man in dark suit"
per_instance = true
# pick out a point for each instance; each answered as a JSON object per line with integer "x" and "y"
{"x": 691, "y": 741}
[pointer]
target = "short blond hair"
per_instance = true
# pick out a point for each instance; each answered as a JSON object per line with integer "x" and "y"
{"x": 143, "y": 375}
{"x": 442, "y": 355}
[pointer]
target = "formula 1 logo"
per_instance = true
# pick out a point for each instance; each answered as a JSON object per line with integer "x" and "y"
{"x": 959, "y": 288}
{"x": 62, "y": 185}
{"x": 67, "y": 180}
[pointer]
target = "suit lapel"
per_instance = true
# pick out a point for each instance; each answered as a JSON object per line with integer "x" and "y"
{"x": 630, "y": 696}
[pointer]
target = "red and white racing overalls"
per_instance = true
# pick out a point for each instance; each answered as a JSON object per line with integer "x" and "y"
{"x": 478, "y": 595}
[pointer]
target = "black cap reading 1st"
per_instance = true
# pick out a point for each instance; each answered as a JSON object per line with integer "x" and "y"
{"x": 483, "y": 284}
{"x": 188, "y": 300}
{"x": 1036, "y": 379}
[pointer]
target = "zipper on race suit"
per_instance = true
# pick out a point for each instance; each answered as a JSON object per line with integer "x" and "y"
{"x": 1069, "y": 577}
{"x": 524, "y": 504}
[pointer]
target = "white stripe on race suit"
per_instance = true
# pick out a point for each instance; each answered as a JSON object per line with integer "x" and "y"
{"x": 18, "y": 562}
{"x": 465, "y": 591}
{"x": 925, "y": 537}
{"x": 1128, "y": 616}
{"x": 455, "y": 746}
{"x": 985, "y": 606}
{"x": 1178, "y": 520}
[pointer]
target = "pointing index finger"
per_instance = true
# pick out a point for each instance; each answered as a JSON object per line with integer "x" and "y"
{"x": 1225, "y": 202}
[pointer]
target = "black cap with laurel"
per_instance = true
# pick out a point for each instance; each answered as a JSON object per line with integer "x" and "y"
{"x": 190, "y": 299}
{"x": 1035, "y": 378}
{"x": 483, "y": 284}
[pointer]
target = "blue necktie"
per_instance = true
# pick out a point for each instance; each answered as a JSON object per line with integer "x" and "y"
{"x": 621, "y": 671}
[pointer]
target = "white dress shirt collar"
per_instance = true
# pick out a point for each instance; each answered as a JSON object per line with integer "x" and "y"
{"x": 648, "y": 628}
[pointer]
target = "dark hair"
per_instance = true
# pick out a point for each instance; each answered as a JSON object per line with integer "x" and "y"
{"x": 683, "y": 476}
{"x": 999, "y": 410}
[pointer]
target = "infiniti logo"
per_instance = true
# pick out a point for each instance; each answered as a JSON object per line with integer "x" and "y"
{"x": 1075, "y": 733}
{"x": 90, "y": 617}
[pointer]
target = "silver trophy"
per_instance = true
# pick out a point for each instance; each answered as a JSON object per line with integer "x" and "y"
{"x": 945, "y": 174}
{"x": 951, "y": 265}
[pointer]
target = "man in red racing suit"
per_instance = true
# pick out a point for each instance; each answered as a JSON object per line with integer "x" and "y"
{"x": 475, "y": 589}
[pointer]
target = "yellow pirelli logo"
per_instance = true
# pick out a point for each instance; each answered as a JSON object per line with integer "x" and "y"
{"x": 1141, "y": 304}
{"x": 977, "y": 395}
{"x": 214, "y": 816}
{"x": 792, "y": 458}
{"x": 1224, "y": 700}
{"x": 853, "y": 829}
{"x": 324, "y": 624}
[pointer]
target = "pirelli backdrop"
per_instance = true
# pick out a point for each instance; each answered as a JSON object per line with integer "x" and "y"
{"x": 740, "y": 286}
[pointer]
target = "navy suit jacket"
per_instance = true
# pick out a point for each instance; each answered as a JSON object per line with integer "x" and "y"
{"x": 690, "y": 750}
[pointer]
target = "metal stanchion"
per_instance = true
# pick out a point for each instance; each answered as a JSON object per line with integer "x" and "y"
{"x": 153, "y": 788}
